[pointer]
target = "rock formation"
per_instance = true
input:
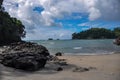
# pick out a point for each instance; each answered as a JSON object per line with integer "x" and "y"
{"x": 117, "y": 41}
{"x": 24, "y": 55}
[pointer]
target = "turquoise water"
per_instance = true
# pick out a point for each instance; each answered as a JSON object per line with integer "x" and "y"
{"x": 82, "y": 47}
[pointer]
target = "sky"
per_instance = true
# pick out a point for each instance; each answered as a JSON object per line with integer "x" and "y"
{"x": 58, "y": 19}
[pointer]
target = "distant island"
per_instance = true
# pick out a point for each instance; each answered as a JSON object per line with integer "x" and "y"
{"x": 97, "y": 33}
{"x": 50, "y": 38}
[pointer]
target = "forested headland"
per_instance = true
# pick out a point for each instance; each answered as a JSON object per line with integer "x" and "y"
{"x": 11, "y": 29}
{"x": 97, "y": 33}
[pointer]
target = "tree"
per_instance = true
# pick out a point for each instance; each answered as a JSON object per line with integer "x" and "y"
{"x": 94, "y": 33}
{"x": 117, "y": 32}
{"x": 1, "y": 1}
{"x": 11, "y": 29}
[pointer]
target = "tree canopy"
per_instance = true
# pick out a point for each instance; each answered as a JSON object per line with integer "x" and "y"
{"x": 117, "y": 32}
{"x": 97, "y": 33}
{"x": 11, "y": 29}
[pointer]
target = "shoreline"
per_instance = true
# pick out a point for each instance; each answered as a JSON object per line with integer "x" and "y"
{"x": 87, "y": 54}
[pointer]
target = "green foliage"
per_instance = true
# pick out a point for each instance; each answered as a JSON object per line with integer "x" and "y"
{"x": 117, "y": 32}
{"x": 50, "y": 39}
{"x": 1, "y": 2}
{"x": 11, "y": 29}
{"x": 97, "y": 33}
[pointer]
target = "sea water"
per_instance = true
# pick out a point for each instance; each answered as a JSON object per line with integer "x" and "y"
{"x": 80, "y": 47}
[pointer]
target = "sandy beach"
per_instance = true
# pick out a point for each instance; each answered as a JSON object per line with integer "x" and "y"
{"x": 105, "y": 67}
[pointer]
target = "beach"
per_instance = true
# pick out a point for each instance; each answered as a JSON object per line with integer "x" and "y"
{"x": 104, "y": 67}
{"x": 59, "y": 40}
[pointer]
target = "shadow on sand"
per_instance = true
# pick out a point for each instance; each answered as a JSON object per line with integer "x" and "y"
{"x": 0, "y": 72}
{"x": 50, "y": 68}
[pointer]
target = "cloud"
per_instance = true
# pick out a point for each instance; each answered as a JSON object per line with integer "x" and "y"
{"x": 45, "y": 33}
{"x": 23, "y": 9}
{"x": 103, "y": 24}
{"x": 38, "y": 14}
{"x": 109, "y": 9}
{"x": 94, "y": 14}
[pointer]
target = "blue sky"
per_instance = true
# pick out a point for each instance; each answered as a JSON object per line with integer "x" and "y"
{"x": 45, "y": 19}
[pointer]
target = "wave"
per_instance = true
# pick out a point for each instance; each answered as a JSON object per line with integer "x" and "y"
{"x": 77, "y": 48}
{"x": 51, "y": 43}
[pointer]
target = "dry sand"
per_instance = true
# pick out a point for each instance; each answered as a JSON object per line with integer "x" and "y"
{"x": 107, "y": 68}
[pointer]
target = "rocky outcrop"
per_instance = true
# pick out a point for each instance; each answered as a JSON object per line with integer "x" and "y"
{"x": 117, "y": 41}
{"x": 83, "y": 69}
{"x": 58, "y": 54}
{"x": 24, "y": 55}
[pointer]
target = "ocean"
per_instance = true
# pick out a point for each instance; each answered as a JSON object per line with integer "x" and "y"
{"x": 80, "y": 47}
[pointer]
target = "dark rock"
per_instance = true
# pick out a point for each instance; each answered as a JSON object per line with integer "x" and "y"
{"x": 80, "y": 69}
{"x": 50, "y": 58}
{"x": 117, "y": 41}
{"x": 59, "y": 69}
{"x": 91, "y": 68}
{"x": 25, "y": 55}
{"x": 50, "y": 39}
{"x": 61, "y": 63}
{"x": 58, "y": 54}
{"x": 53, "y": 58}
{"x": 30, "y": 63}
{"x": 1, "y": 57}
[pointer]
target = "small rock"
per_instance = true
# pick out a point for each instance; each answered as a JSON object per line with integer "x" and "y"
{"x": 58, "y": 54}
{"x": 59, "y": 69}
{"x": 91, "y": 67}
{"x": 80, "y": 69}
{"x": 61, "y": 63}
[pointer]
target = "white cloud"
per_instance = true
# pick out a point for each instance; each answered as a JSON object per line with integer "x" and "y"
{"x": 45, "y": 33}
{"x": 94, "y": 14}
{"x": 96, "y": 9}
{"x": 109, "y": 9}
{"x": 104, "y": 24}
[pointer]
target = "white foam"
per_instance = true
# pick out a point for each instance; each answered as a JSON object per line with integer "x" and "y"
{"x": 77, "y": 48}
{"x": 51, "y": 43}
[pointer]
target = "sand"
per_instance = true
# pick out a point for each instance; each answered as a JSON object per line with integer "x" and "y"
{"x": 106, "y": 67}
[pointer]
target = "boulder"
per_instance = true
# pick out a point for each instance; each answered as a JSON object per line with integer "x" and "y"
{"x": 117, "y": 41}
{"x": 25, "y": 55}
{"x": 59, "y": 69}
{"x": 58, "y": 54}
